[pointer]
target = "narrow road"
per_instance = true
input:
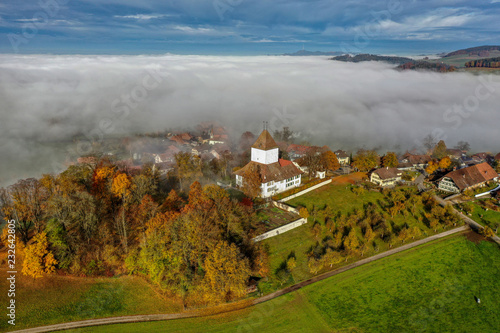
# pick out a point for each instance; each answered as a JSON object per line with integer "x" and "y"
{"x": 239, "y": 305}
{"x": 473, "y": 224}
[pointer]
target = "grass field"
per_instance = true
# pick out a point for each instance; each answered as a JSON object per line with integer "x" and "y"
{"x": 485, "y": 217}
{"x": 430, "y": 288}
{"x": 56, "y": 299}
{"x": 299, "y": 241}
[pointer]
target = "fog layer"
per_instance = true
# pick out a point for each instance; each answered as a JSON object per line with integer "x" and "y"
{"x": 45, "y": 99}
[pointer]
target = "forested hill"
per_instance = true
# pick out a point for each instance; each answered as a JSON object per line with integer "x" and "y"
{"x": 428, "y": 66}
{"x": 480, "y": 51}
{"x": 488, "y": 63}
{"x": 372, "y": 57}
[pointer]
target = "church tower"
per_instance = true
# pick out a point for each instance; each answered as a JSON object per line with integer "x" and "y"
{"x": 265, "y": 150}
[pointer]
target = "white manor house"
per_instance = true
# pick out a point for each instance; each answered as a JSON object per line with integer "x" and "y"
{"x": 277, "y": 174}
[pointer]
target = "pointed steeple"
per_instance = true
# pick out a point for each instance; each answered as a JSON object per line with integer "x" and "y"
{"x": 265, "y": 141}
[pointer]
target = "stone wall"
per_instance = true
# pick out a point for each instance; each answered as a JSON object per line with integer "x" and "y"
{"x": 285, "y": 207}
{"x": 280, "y": 230}
{"x": 306, "y": 190}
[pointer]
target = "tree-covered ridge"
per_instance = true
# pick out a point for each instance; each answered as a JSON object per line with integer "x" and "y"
{"x": 423, "y": 65}
{"x": 372, "y": 57}
{"x": 477, "y": 51}
{"x": 488, "y": 63}
{"x": 105, "y": 220}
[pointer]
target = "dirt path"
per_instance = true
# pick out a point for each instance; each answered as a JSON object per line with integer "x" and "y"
{"x": 239, "y": 305}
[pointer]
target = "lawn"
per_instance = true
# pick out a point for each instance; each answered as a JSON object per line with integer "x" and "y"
{"x": 57, "y": 299}
{"x": 430, "y": 288}
{"x": 339, "y": 196}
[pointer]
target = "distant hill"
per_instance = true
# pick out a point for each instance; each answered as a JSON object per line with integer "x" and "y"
{"x": 427, "y": 66}
{"x": 479, "y": 51}
{"x": 303, "y": 53}
{"x": 488, "y": 63}
{"x": 372, "y": 57}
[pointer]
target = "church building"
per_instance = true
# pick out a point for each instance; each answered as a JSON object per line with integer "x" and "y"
{"x": 277, "y": 174}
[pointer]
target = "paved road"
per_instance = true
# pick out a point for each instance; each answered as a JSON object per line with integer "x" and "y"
{"x": 238, "y": 305}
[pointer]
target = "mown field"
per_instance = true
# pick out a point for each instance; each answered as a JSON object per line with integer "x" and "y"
{"x": 57, "y": 299}
{"x": 430, "y": 288}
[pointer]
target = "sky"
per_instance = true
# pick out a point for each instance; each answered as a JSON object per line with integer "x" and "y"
{"x": 244, "y": 27}
{"x": 49, "y": 99}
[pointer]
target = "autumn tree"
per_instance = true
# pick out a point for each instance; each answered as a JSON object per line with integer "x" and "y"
{"x": 445, "y": 163}
{"x": 316, "y": 230}
{"x": 37, "y": 257}
{"x": 351, "y": 242}
{"x": 390, "y": 160}
{"x": 332, "y": 257}
{"x": 432, "y": 167}
{"x": 304, "y": 213}
{"x": 188, "y": 168}
{"x": 439, "y": 150}
{"x": 330, "y": 160}
{"x": 312, "y": 160}
{"x": 121, "y": 188}
{"x": 252, "y": 181}
{"x": 366, "y": 160}
{"x": 226, "y": 273}
{"x": 29, "y": 199}
{"x": 487, "y": 232}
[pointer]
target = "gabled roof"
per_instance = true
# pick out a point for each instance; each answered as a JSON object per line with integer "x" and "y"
{"x": 388, "y": 173}
{"x": 472, "y": 175}
{"x": 341, "y": 154}
{"x": 278, "y": 171}
{"x": 265, "y": 141}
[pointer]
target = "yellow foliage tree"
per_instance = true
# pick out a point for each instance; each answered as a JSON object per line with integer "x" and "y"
{"x": 226, "y": 273}
{"x": 121, "y": 185}
{"x": 37, "y": 257}
{"x": 432, "y": 167}
{"x": 445, "y": 162}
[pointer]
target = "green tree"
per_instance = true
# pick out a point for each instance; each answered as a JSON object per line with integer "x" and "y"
{"x": 439, "y": 150}
{"x": 390, "y": 160}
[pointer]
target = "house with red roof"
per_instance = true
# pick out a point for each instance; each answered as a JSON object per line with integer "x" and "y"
{"x": 467, "y": 178}
{"x": 277, "y": 174}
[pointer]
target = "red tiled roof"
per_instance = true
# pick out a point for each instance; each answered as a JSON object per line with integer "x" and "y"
{"x": 418, "y": 159}
{"x": 497, "y": 157}
{"x": 472, "y": 175}
{"x": 298, "y": 148}
{"x": 283, "y": 162}
{"x": 272, "y": 172}
{"x": 265, "y": 141}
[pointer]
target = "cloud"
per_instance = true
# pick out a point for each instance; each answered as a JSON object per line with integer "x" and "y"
{"x": 47, "y": 100}
{"x": 142, "y": 16}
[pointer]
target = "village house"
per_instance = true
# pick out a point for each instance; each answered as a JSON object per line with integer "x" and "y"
{"x": 386, "y": 176}
{"x": 467, "y": 178}
{"x": 454, "y": 154}
{"x": 297, "y": 151}
{"x": 343, "y": 157}
{"x": 417, "y": 161}
{"x": 277, "y": 174}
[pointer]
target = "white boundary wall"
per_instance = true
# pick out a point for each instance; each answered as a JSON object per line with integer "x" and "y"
{"x": 280, "y": 230}
{"x": 305, "y": 191}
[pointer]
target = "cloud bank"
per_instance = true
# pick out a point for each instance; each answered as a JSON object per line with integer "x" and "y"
{"x": 46, "y": 99}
